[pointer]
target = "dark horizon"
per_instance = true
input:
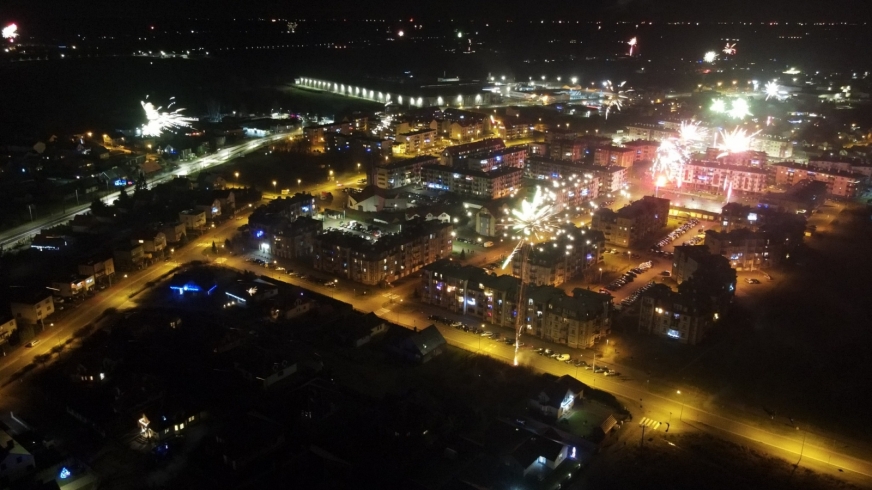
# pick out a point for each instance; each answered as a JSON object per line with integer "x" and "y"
{"x": 606, "y": 10}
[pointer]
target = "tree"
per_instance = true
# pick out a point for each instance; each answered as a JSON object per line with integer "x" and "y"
{"x": 98, "y": 206}
{"x": 214, "y": 248}
{"x": 463, "y": 255}
{"x": 227, "y": 243}
{"x": 141, "y": 183}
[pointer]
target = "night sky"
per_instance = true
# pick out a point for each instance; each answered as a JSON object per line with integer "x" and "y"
{"x": 702, "y": 10}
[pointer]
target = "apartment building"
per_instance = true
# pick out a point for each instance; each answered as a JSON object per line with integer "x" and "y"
{"x": 670, "y": 315}
{"x": 403, "y": 172}
{"x": 576, "y": 321}
{"x": 653, "y": 132}
{"x": 720, "y": 178}
{"x": 610, "y": 179}
{"x": 628, "y": 226}
{"x": 644, "y": 150}
{"x": 748, "y": 250}
{"x": 30, "y": 306}
{"x": 574, "y": 253}
{"x": 567, "y": 149}
{"x": 490, "y": 160}
{"x": 418, "y": 141}
{"x": 389, "y": 258}
{"x": 614, "y": 156}
{"x": 452, "y": 154}
{"x": 473, "y": 183}
{"x": 839, "y": 183}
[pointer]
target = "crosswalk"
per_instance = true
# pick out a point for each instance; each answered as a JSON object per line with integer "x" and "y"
{"x": 649, "y": 423}
{"x": 382, "y": 311}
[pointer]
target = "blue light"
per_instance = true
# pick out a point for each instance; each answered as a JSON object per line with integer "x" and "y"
{"x": 211, "y": 289}
{"x": 65, "y": 473}
{"x": 673, "y": 333}
{"x": 258, "y": 234}
{"x": 120, "y": 182}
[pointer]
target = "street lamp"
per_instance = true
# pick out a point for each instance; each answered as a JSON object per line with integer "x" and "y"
{"x": 682, "y": 406}
{"x": 236, "y": 174}
{"x": 298, "y": 183}
{"x": 358, "y": 168}
{"x": 274, "y": 186}
{"x": 331, "y": 175}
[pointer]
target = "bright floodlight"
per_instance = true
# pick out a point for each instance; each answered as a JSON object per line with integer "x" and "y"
{"x": 10, "y": 32}
{"x": 710, "y": 57}
{"x": 159, "y": 120}
{"x": 401, "y": 34}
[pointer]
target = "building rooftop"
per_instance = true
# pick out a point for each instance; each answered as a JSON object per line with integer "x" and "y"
{"x": 474, "y": 146}
{"x": 27, "y": 295}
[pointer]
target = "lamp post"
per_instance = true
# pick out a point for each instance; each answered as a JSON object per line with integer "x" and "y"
{"x": 629, "y": 258}
{"x": 236, "y": 174}
{"x": 682, "y": 406}
{"x": 274, "y": 187}
{"x": 299, "y": 181}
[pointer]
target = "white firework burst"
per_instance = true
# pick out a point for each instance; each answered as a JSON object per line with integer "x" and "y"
{"x": 739, "y": 109}
{"x": 674, "y": 153}
{"x": 632, "y": 42}
{"x": 614, "y": 97}
{"x": 719, "y": 106}
{"x": 159, "y": 120}
{"x": 773, "y": 90}
{"x": 10, "y": 32}
{"x": 736, "y": 141}
{"x": 710, "y": 57}
{"x": 533, "y": 222}
{"x": 730, "y": 49}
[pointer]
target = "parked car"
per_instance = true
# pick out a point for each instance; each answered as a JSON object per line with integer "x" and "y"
{"x": 32, "y": 343}
{"x": 563, "y": 357}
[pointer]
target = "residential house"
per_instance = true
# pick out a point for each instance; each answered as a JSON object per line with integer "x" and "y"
{"x": 193, "y": 219}
{"x": 415, "y": 346}
{"x": 161, "y": 423}
{"x": 30, "y": 306}
{"x": 209, "y": 205}
{"x": 262, "y": 367}
{"x": 129, "y": 256}
{"x": 73, "y": 285}
{"x": 100, "y": 268}
{"x": 175, "y": 232}
{"x": 358, "y": 330}
{"x": 489, "y": 217}
{"x": 16, "y": 462}
{"x": 247, "y": 293}
{"x": 373, "y": 199}
{"x": 153, "y": 242}
{"x": 7, "y": 326}
{"x": 85, "y": 223}
{"x": 249, "y": 439}
{"x": 557, "y": 398}
{"x": 46, "y": 242}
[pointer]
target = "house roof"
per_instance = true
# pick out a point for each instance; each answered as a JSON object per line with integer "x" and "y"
{"x": 427, "y": 340}
{"x": 530, "y": 450}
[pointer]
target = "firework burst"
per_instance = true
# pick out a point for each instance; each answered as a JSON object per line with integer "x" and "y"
{"x": 159, "y": 120}
{"x": 736, "y": 141}
{"x": 632, "y": 43}
{"x": 614, "y": 97}
{"x": 10, "y": 32}
{"x": 674, "y": 153}
{"x": 730, "y": 49}
{"x": 773, "y": 90}
{"x": 533, "y": 222}
{"x": 710, "y": 57}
